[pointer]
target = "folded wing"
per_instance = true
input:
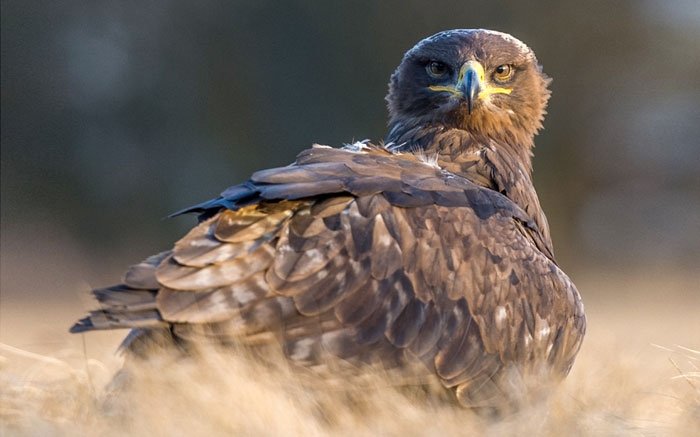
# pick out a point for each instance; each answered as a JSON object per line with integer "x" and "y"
{"x": 368, "y": 256}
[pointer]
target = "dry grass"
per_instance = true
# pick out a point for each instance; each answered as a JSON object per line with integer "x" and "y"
{"x": 637, "y": 374}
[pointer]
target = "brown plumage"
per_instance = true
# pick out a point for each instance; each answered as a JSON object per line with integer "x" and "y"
{"x": 432, "y": 249}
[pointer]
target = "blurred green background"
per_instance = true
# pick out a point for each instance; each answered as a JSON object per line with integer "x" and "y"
{"x": 115, "y": 114}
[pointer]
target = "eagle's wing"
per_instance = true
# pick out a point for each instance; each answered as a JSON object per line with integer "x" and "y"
{"x": 366, "y": 255}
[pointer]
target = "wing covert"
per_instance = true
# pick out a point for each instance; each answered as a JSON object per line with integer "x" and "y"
{"x": 415, "y": 264}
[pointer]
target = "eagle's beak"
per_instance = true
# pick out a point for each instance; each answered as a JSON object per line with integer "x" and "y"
{"x": 471, "y": 78}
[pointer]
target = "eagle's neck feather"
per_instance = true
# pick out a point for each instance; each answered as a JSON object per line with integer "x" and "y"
{"x": 459, "y": 150}
{"x": 495, "y": 164}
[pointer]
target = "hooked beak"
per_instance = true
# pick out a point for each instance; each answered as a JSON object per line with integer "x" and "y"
{"x": 471, "y": 76}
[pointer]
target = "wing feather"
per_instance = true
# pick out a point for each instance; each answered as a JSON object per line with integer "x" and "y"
{"x": 382, "y": 256}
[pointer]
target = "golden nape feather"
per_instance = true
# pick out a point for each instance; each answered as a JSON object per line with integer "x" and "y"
{"x": 373, "y": 255}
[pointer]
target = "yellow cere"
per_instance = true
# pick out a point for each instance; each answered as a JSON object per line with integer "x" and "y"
{"x": 493, "y": 90}
{"x": 449, "y": 89}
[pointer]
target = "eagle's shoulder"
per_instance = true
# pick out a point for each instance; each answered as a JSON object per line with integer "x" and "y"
{"x": 404, "y": 179}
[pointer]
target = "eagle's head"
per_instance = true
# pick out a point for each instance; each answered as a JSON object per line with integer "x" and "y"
{"x": 482, "y": 81}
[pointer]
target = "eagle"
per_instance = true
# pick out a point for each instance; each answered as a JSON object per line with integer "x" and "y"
{"x": 428, "y": 249}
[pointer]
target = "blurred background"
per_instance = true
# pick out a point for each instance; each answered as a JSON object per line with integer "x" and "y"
{"x": 115, "y": 114}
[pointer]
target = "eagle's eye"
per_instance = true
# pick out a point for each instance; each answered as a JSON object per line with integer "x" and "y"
{"x": 503, "y": 73}
{"x": 436, "y": 69}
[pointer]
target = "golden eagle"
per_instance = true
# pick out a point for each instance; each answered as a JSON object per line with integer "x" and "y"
{"x": 431, "y": 248}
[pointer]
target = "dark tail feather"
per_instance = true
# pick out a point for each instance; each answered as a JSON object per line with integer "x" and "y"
{"x": 110, "y": 318}
{"x": 82, "y": 325}
{"x": 128, "y": 305}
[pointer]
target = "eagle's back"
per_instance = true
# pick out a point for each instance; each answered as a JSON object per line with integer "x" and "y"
{"x": 370, "y": 257}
